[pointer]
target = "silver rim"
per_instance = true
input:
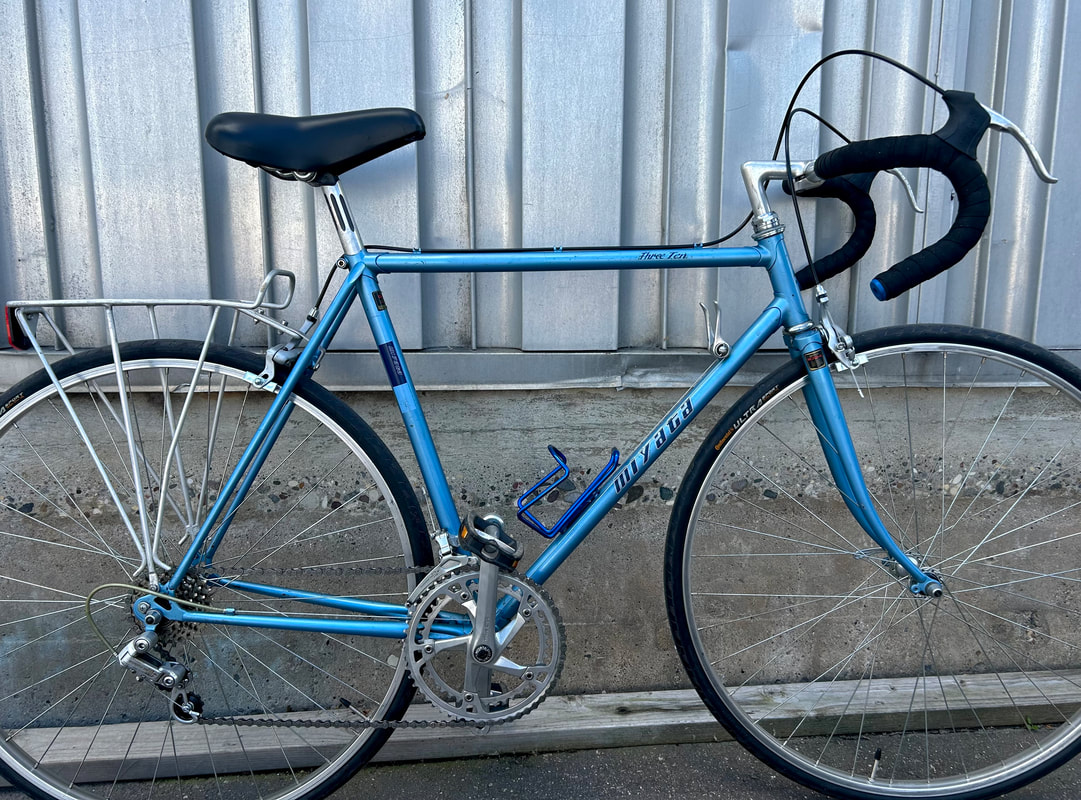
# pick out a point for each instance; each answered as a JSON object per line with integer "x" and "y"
{"x": 819, "y": 650}
{"x": 320, "y": 517}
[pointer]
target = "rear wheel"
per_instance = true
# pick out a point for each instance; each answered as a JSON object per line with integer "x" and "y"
{"x": 330, "y": 512}
{"x": 805, "y": 639}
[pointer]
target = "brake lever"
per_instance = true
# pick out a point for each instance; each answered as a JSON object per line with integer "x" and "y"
{"x": 1000, "y": 123}
{"x": 811, "y": 179}
{"x": 908, "y": 189}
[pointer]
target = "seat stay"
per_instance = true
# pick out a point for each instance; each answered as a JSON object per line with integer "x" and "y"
{"x": 233, "y": 492}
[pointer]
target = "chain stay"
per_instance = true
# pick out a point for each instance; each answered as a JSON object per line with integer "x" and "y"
{"x": 359, "y": 722}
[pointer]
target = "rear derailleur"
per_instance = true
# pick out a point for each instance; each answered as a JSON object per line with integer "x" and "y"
{"x": 143, "y": 657}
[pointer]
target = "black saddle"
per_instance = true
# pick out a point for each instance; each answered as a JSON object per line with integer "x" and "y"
{"x": 315, "y": 149}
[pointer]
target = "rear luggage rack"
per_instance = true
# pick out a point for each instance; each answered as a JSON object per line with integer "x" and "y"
{"x": 22, "y": 317}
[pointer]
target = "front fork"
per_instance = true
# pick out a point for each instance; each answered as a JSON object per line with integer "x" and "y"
{"x": 828, "y": 418}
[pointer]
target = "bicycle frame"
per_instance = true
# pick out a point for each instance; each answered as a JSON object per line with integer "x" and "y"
{"x": 785, "y": 312}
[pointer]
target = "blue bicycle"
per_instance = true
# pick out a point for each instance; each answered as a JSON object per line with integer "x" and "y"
{"x": 210, "y": 565}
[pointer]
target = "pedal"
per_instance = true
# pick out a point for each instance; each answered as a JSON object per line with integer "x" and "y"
{"x": 489, "y": 541}
{"x": 560, "y": 472}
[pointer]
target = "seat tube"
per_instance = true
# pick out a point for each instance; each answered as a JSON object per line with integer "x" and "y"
{"x": 386, "y": 340}
{"x": 408, "y": 403}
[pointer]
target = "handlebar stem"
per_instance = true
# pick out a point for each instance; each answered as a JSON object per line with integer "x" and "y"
{"x": 756, "y": 174}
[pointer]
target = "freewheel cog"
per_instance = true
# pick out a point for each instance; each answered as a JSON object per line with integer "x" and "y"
{"x": 526, "y": 661}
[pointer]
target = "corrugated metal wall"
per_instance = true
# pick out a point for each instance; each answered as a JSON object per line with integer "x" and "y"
{"x": 554, "y": 122}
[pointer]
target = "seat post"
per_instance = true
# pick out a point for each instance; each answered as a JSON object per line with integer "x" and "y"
{"x": 343, "y": 220}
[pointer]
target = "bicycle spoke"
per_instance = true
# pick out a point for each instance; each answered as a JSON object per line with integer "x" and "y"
{"x": 163, "y": 439}
{"x": 891, "y": 512}
{"x": 1034, "y": 483}
{"x": 817, "y": 650}
{"x": 802, "y": 507}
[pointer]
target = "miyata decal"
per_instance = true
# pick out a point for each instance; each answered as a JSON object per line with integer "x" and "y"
{"x": 392, "y": 364}
{"x": 654, "y": 445}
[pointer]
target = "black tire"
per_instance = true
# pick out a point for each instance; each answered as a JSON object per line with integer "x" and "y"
{"x": 801, "y": 636}
{"x": 331, "y": 511}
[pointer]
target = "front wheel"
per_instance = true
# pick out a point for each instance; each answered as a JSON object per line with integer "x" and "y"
{"x": 144, "y": 443}
{"x": 804, "y": 638}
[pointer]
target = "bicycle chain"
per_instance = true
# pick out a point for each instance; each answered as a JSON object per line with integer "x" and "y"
{"x": 265, "y": 723}
{"x": 339, "y": 570}
{"x": 378, "y": 724}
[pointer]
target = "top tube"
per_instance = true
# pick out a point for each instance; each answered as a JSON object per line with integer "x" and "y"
{"x": 558, "y": 258}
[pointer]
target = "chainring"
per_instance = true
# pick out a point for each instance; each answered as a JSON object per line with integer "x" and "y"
{"x": 529, "y": 656}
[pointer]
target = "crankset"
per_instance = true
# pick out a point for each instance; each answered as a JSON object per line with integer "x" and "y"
{"x": 477, "y": 665}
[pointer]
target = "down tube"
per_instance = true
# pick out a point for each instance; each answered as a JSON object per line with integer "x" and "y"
{"x": 673, "y": 424}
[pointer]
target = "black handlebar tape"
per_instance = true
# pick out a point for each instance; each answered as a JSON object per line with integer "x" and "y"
{"x": 950, "y": 151}
{"x": 852, "y": 191}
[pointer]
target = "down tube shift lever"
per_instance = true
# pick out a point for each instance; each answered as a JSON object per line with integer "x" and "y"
{"x": 716, "y": 345}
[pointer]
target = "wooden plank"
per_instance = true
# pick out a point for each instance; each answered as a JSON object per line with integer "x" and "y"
{"x": 571, "y": 722}
{"x": 165, "y": 750}
{"x": 946, "y": 702}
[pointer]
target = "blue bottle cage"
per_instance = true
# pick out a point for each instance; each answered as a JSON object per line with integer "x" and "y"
{"x": 559, "y": 473}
